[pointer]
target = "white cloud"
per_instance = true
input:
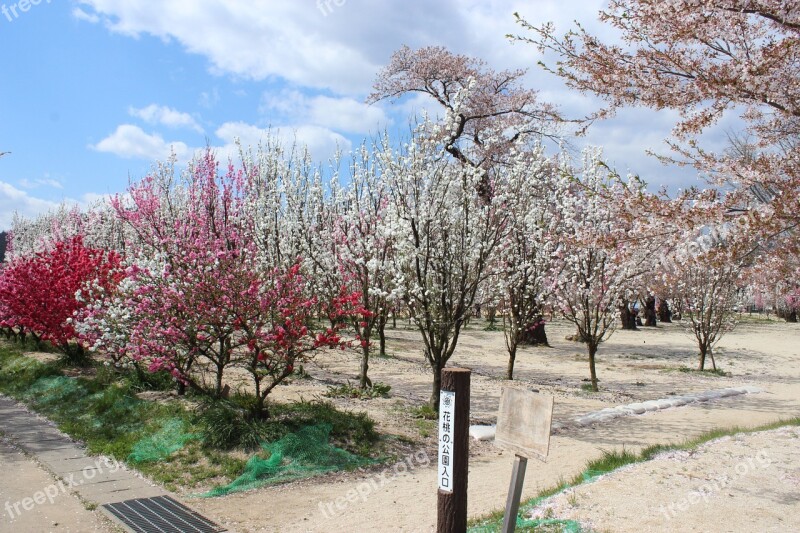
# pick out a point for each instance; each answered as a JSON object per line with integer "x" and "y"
{"x": 332, "y": 44}
{"x": 15, "y": 200}
{"x": 341, "y": 114}
{"x": 166, "y": 116}
{"x": 322, "y": 143}
{"x": 132, "y": 142}
{"x": 256, "y": 41}
{"x": 46, "y": 181}
{"x": 80, "y": 14}
{"x": 346, "y": 114}
{"x": 337, "y": 49}
{"x": 296, "y": 41}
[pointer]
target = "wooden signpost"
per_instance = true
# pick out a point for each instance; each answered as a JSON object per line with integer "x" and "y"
{"x": 453, "y": 451}
{"x": 523, "y": 427}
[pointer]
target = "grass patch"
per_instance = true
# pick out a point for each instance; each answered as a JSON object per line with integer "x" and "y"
{"x": 756, "y": 318}
{"x": 425, "y": 419}
{"x": 346, "y": 390}
{"x": 425, "y": 427}
{"x": 425, "y": 411}
{"x": 690, "y": 444}
{"x": 175, "y": 445}
{"x": 609, "y": 462}
{"x": 718, "y": 372}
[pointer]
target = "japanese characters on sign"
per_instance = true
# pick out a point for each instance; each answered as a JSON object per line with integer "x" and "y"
{"x": 447, "y": 406}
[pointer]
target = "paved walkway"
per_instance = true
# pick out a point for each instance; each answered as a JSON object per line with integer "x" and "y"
{"x": 22, "y": 477}
{"x": 95, "y": 480}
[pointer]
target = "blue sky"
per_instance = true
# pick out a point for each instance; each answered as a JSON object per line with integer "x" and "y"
{"x": 94, "y": 91}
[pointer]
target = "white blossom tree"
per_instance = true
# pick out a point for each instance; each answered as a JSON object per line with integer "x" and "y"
{"x": 444, "y": 233}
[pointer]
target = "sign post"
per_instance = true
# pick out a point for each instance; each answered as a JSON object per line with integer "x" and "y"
{"x": 523, "y": 427}
{"x": 453, "y": 450}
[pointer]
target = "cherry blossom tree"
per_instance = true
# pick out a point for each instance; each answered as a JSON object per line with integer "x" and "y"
{"x": 364, "y": 251}
{"x": 188, "y": 271}
{"x": 277, "y": 332}
{"x": 198, "y": 297}
{"x": 602, "y": 240}
{"x": 97, "y": 225}
{"x": 703, "y": 60}
{"x": 707, "y": 286}
{"x": 773, "y": 283}
{"x": 490, "y": 117}
{"x": 491, "y": 111}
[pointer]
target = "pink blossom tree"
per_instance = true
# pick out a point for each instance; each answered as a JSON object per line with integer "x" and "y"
{"x": 491, "y": 111}
{"x": 198, "y": 297}
{"x": 603, "y": 245}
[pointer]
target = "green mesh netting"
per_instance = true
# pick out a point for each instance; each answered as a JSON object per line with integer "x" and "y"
{"x": 163, "y": 443}
{"x": 299, "y": 455}
{"x": 539, "y": 524}
{"x": 51, "y": 390}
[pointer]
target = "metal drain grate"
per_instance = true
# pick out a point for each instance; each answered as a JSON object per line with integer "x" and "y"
{"x": 161, "y": 514}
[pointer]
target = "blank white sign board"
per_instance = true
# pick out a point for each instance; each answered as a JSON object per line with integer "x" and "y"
{"x": 523, "y": 422}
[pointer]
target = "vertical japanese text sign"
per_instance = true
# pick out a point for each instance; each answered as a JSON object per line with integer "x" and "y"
{"x": 447, "y": 407}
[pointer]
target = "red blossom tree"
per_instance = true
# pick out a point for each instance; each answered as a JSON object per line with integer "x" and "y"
{"x": 276, "y": 325}
{"x": 43, "y": 293}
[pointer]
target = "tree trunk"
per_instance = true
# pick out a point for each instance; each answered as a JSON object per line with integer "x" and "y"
{"x": 702, "y": 358}
{"x": 791, "y": 316}
{"x": 364, "y": 381}
{"x": 260, "y": 410}
{"x": 626, "y": 318}
{"x": 650, "y": 312}
{"x": 220, "y": 370}
{"x": 437, "y": 386}
{"x": 512, "y": 356}
{"x": 534, "y": 333}
{"x": 382, "y": 320}
{"x": 491, "y": 318}
{"x": 382, "y": 341}
{"x": 592, "y": 369}
{"x": 664, "y": 312}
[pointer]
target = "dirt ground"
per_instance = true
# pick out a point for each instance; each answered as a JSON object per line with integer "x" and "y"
{"x": 745, "y": 482}
{"x": 632, "y": 366}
